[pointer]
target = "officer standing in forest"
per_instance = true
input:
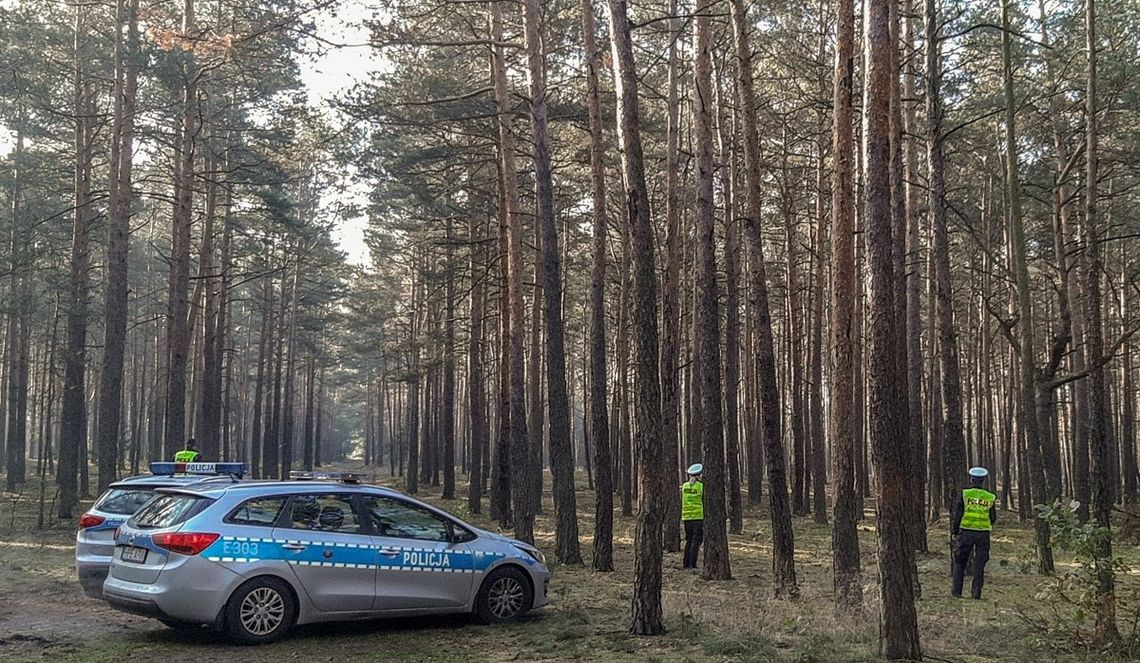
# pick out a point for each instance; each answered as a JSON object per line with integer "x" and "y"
{"x": 189, "y": 454}
{"x": 971, "y": 521}
{"x": 693, "y": 514}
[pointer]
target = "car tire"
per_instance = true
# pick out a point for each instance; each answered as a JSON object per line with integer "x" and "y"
{"x": 505, "y": 596}
{"x": 260, "y": 611}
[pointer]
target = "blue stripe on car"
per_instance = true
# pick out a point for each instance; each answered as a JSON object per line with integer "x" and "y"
{"x": 348, "y": 555}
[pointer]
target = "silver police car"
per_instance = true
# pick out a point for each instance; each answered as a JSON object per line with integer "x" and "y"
{"x": 95, "y": 539}
{"x": 256, "y": 558}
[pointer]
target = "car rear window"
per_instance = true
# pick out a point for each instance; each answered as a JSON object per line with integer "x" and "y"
{"x": 123, "y": 501}
{"x": 168, "y": 510}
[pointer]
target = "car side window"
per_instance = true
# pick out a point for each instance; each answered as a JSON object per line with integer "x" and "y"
{"x": 323, "y": 513}
{"x": 260, "y": 511}
{"x": 394, "y": 518}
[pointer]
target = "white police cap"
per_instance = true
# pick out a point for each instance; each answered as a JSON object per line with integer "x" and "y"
{"x": 979, "y": 472}
{"x": 696, "y": 468}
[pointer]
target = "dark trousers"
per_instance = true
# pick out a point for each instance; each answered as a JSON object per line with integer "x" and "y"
{"x": 694, "y": 534}
{"x": 978, "y": 543}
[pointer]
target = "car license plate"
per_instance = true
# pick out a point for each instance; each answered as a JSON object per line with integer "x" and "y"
{"x": 132, "y": 554}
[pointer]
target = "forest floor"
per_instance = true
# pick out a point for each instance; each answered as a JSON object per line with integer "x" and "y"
{"x": 45, "y": 616}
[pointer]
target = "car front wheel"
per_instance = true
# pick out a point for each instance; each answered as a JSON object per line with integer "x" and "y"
{"x": 260, "y": 611}
{"x": 504, "y": 596}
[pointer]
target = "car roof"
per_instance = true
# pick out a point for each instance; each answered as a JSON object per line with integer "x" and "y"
{"x": 160, "y": 480}
{"x": 271, "y": 486}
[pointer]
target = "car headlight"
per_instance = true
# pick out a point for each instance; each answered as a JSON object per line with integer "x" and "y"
{"x": 534, "y": 553}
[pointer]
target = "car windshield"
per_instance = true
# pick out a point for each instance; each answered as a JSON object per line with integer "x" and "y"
{"x": 166, "y": 511}
{"x": 123, "y": 501}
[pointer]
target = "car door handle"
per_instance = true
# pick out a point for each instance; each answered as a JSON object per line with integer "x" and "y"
{"x": 389, "y": 552}
{"x": 295, "y": 547}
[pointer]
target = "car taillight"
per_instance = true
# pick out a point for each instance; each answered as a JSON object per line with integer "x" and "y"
{"x": 90, "y": 520}
{"x": 184, "y": 543}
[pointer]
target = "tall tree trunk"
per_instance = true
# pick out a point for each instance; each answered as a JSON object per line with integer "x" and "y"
{"x": 73, "y": 422}
{"x": 536, "y": 415}
{"x": 1100, "y": 452}
{"x": 783, "y": 545}
{"x": 844, "y": 537}
{"x": 624, "y": 443}
{"x": 448, "y": 413}
{"x": 501, "y": 460}
{"x": 310, "y": 404}
{"x": 815, "y": 360}
{"x": 178, "y": 305}
{"x": 671, "y": 298}
{"x": 731, "y": 400}
{"x": 15, "y": 396}
{"x": 898, "y": 624}
{"x": 523, "y": 513}
{"x": 288, "y": 409}
{"x": 118, "y": 231}
{"x": 916, "y": 433}
{"x": 952, "y": 438}
{"x": 706, "y": 321}
{"x": 603, "y": 559}
{"x": 476, "y": 392}
{"x": 271, "y": 442}
{"x": 263, "y": 359}
{"x": 794, "y": 336}
{"x": 646, "y": 614}
{"x": 1028, "y": 408}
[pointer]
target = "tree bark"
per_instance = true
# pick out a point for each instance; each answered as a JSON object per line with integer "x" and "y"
{"x": 519, "y": 456}
{"x": 671, "y": 297}
{"x": 953, "y": 440}
{"x": 732, "y": 332}
{"x": 898, "y": 624}
{"x": 844, "y": 537}
{"x": 646, "y": 616}
{"x": 706, "y": 324}
{"x": 178, "y": 305}
{"x": 914, "y": 357}
{"x": 1100, "y": 452}
{"x": 1028, "y": 405}
{"x": 73, "y": 422}
{"x": 783, "y": 544}
{"x": 448, "y": 414}
{"x": 118, "y": 232}
{"x": 476, "y": 393}
{"x": 603, "y": 559}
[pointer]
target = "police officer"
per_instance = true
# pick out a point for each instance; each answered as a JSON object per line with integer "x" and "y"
{"x": 189, "y": 454}
{"x": 971, "y": 520}
{"x": 693, "y": 514}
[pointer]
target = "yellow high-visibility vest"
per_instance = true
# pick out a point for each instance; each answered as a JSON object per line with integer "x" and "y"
{"x": 692, "y": 500}
{"x": 186, "y": 456}
{"x": 976, "y": 515}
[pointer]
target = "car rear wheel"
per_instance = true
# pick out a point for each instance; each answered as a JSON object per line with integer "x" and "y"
{"x": 260, "y": 611}
{"x": 505, "y": 595}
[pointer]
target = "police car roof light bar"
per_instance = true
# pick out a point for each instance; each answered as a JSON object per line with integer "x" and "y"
{"x": 164, "y": 468}
{"x": 343, "y": 477}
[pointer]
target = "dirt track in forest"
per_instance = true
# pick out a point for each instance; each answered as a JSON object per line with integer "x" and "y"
{"x": 44, "y": 615}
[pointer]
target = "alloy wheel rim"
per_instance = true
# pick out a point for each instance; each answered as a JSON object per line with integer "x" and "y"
{"x": 262, "y": 611}
{"x": 505, "y": 598}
